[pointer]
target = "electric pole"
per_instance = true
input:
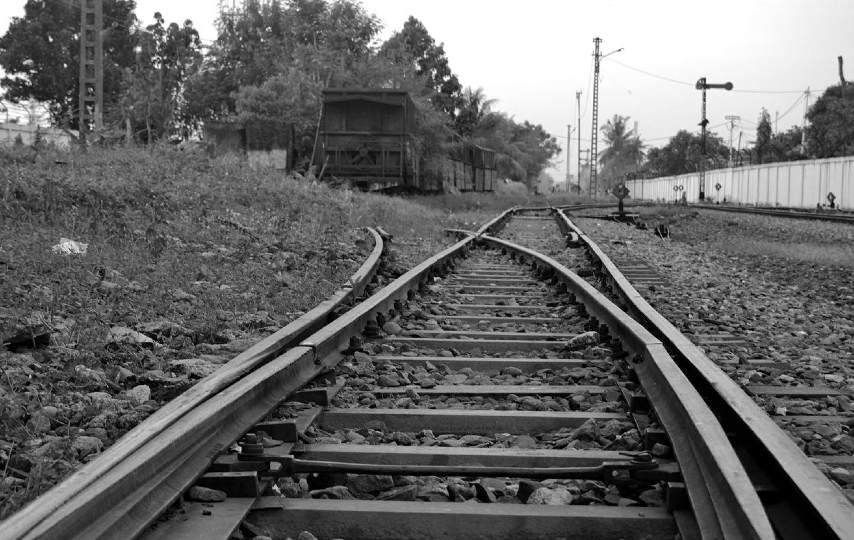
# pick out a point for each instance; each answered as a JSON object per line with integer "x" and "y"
{"x": 594, "y": 139}
{"x": 804, "y": 120}
{"x": 703, "y": 85}
{"x": 732, "y": 120}
{"x": 595, "y": 136}
{"x": 568, "y": 148}
{"x": 91, "y": 97}
{"x": 578, "y": 130}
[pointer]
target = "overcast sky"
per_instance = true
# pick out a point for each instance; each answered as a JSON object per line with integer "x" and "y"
{"x": 532, "y": 56}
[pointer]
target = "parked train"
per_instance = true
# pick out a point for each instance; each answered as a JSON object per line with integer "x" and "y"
{"x": 367, "y": 136}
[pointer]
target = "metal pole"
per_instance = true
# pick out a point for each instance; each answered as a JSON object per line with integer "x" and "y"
{"x": 578, "y": 128}
{"x": 703, "y": 123}
{"x": 568, "y": 148}
{"x": 595, "y": 136}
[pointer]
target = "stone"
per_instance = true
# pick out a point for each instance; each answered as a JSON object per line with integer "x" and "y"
{"x": 85, "y": 445}
{"x": 392, "y": 328}
{"x": 332, "y": 492}
{"x": 551, "y": 496}
{"x": 652, "y": 497}
{"x": 583, "y": 340}
{"x": 305, "y": 535}
{"x": 399, "y": 493}
{"x": 369, "y": 483}
{"x": 124, "y": 335}
{"x": 526, "y": 488}
{"x": 588, "y": 431}
{"x": 388, "y": 380}
{"x": 483, "y": 493}
{"x": 203, "y": 494}
{"x": 660, "y": 450}
{"x": 39, "y": 423}
{"x": 524, "y": 441}
{"x": 512, "y": 371}
{"x": 427, "y": 382}
{"x": 139, "y": 394}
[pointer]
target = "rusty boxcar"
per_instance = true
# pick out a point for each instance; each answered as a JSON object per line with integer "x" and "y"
{"x": 367, "y": 136}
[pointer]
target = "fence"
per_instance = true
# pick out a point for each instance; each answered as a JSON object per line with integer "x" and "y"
{"x": 10, "y": 133}
{"x": 798, "y": 184}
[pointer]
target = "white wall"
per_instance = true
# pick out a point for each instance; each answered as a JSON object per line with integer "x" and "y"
{"x": 800, "y": 184}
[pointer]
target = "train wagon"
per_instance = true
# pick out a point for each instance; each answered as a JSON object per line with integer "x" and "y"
{"x": 367, "y": 136}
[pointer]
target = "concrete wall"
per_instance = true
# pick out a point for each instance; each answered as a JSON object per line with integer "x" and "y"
{"x": 798, "y": 184}
{"x": 9, "y": 132}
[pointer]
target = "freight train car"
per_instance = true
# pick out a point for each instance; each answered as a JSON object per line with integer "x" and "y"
{"x": 367, "y": 137}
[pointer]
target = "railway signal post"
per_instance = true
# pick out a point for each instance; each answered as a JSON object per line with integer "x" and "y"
{"x": 703, "y": 85}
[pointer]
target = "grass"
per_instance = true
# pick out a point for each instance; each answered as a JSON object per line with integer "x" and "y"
{"x": 223, "y": 252}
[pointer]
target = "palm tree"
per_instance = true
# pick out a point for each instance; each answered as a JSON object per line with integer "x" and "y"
{"x": 623, "y": 152}
{"x": 474, "y": 107}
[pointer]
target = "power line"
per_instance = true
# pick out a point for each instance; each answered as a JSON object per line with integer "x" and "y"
{"x": 686, "y": 83}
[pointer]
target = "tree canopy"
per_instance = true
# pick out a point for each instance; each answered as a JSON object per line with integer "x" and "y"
{"x": 830, "y": 132}
{"x": 623, "y": 151}
{"x": 40, "y": 53}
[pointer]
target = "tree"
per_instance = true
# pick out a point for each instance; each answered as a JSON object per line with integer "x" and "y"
{"x": 831, "y": 129}
{"x": 473, "y": 108}
{"x": 414, "y": 44}
{"x": 40, "y": 54}
{"x": 522, "y": 150}
{"x": 683, "y": 154}
{"x": 153, "y": 87}
{"x": 764, "y": 133}
{"x": 623, "y": 151}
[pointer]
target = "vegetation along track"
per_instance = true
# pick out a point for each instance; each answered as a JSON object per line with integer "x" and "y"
{"x": 825, "y": 215}
{"x": 489, "y": 373}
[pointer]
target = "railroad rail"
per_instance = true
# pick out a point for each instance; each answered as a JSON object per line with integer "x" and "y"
{"x": 799, "y": 499}
{"x": 824, "y": 215}
{"x": 488, "y": 373}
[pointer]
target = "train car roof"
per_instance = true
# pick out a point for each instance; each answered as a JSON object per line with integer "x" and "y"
{"x": 389, "y": 96}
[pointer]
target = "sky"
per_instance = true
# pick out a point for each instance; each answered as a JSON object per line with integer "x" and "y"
{"x": 533, "y": 56}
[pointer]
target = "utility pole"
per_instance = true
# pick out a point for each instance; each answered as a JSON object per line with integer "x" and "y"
{"x": 776, "y": 119}
{"x": 594, "y": 138}
{"x": 703, "y": 85}
{"x": 578, "y": 130}
{"x": 91, "y": 97}
{"x": 732, "y": 120}
{"x": 568, "y": 148}
{"x": 804, "y": 120}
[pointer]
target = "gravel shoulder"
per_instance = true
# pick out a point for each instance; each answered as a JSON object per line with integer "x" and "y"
{"x": 783, "y": 286}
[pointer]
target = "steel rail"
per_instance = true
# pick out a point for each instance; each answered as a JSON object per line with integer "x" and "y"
{"x": 815, "y": 507}
{"x": 120, "y": 494}
{"x": 724, "y": 501}
{"x": 69, "y": 504}
{"x": 797, "y": 214}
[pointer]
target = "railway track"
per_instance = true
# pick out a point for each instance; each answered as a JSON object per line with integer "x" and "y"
{"x": 827, "y": 215}
{"x": 486, "y": 377}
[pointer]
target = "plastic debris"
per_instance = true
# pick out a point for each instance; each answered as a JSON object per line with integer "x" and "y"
{"x": 69, "y": 247}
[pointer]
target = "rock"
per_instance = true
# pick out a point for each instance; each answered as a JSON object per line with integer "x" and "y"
{"x": 332, "y": 492}
{"x": 660, "y": 450}
{"x": 85, "y": 445}
{"x": 388, "y": 380}
{"x": 139, "y": 394}
{"x": 526, "y": 488}
{"x": 512, "y": 371}
{"x": 289, "y": 488}
{"x": 163, "y": 328}
{"x": 524, "y": 441}
{"x": 305, "y": 535}
{"x": 194, "y": 368}
{"x": 842, "y": 475}
{"x": 551, "y": 496}
{"x": 262, "y": 537}
{"x": 39, "y": 423}
{"x": 392, "y": 328}
{"x": 427, "y": 382}
{"x": 588, "y": 431}
{"x": 583, "y": 340}
{"x": 123, "y": 335}
{"x": 50, "y": 411}
{"x": 369, "y": 483}
{"x": 203, "y": 494}
{"x": 400, "y": 493}
{"x": 483, "y": 493}
{"x": 652, "y": 497}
